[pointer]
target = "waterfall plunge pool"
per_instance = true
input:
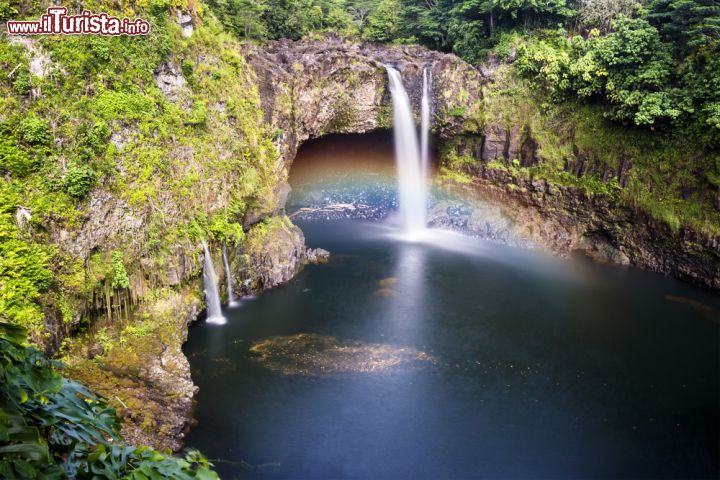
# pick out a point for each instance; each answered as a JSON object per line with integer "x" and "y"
{"x": 448, "y": 356}
{"x": 406, "y": 360}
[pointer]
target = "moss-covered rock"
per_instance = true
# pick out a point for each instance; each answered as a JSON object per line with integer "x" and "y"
{"x": 139, "y": 366}
{"x": 272, "y": 254}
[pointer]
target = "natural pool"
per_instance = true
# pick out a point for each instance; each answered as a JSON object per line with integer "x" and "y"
{"x": 459, "y": 358}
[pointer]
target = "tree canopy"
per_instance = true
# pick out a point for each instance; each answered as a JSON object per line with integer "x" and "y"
{"x": 651, "y": 64}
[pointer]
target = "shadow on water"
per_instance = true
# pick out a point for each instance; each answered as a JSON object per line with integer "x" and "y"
{"x": 536, "y": 367}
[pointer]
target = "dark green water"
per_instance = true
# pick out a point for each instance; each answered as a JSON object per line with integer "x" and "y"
{"x": 543, "y": 369}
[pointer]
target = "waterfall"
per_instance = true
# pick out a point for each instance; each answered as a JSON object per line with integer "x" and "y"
{"x": 425, "y": 123}
{"x": 228, "y": 277}
{"x": 412, "y": 187}
{"x": 212, "y": 298}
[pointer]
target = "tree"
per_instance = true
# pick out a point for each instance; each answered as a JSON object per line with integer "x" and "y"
{"x": 383, "y": 25}
{"x": 600, "y": 13}
{"x": 689, "y": 23}
{"x": 360, "y": 10}
{"x": 291, "y": 18}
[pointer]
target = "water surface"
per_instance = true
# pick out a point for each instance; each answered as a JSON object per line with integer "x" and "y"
{"x": 531, "y": 367}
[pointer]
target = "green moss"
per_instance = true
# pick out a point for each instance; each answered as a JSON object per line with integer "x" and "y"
{"x": 384, "y": 116}
{"x": 458, "y": 111}
{"x": 447, "y": 174}
{"x": 35, "y": 131}
{"x": 344, "y": 115}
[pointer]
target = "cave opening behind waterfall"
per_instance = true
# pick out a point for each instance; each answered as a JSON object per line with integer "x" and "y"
{"x": 346, "y": 176}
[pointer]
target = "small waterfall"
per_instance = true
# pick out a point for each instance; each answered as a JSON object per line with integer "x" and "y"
{"x": 212, "y": 298}
{"x": 228, "y": 277}
{"x": 425, "y": 123}
{"x": 412, "y": 186}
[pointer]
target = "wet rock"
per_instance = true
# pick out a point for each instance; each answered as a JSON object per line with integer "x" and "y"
{"x": 601, "y": 249}
{"x": 501, "y": 142}
{"x": 186, "y": 23}
{"x": 317, "y": 255}
{"x": 143, "y": 372}
{"x": 40, "y": 63}
{"x": 106, "y": 217}
{"x": 494, "y": 143}
{"x": 564, "y": 219}
{"x": 121, "y": 137}
{"x": 273, "y": 253}
{"x": 22, "y": 218}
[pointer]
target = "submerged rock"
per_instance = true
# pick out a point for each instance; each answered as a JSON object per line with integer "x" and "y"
{"x": 319, "y": 355}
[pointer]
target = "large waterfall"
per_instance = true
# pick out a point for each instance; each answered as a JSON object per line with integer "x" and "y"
{"x": 228, "y": 278}
{"x": 425, "y": 123}
{"x": 412, "y": 185}
{"x": 212, "y": 297}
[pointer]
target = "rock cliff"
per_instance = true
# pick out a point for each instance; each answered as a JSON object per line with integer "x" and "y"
{"x": 313, "y": 88}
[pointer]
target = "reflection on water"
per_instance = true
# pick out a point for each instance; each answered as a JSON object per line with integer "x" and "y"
{"x": 540, "y": 368}
{"x": 705, "y": 310}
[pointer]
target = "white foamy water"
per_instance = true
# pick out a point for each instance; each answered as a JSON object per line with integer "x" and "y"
{"x": 228, "y": 278}
{"x": 412, "y": 185}
{"x": 425, "y": 124}
{"x": 212, "y": 297}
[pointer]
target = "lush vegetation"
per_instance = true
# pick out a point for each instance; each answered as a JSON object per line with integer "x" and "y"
{"x": 51, "y": 427}
{"x": 651, "y": 63}
{"x": 95, "y": 122}
{"x": 104, "y": 122}
{"x": 640, "y": 78}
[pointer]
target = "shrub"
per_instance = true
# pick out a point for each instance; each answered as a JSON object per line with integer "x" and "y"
{"x": 112, "y": 105}
{"x": 24, "y": 275}
{"x": 93, "y": 140}
{"x": 14, "y": 159}
{"x": 35, "y": 131}
{"x": 119, "y": 274}
{"x": 198, "y": 115}
{"x": 79, "y": 180}
{"x": 22, "y": 83}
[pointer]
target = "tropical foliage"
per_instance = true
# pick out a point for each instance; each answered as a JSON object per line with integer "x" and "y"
{"x": 51, "y": 427}
{"x": 651, "y": 63}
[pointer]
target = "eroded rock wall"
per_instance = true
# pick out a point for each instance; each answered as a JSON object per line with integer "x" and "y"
{"x": 560, "y": 195}
{"x": 313, "y": 88}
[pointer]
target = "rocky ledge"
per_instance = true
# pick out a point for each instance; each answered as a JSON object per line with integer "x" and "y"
{"x": 532, "y": 212}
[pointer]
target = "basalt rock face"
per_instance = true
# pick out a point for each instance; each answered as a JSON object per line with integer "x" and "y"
{"x": 309, "y": 89}
{"x": 272, "y": 254}
{"x": 564, "y": 220}
{"x": 313, "y": 88}
{"x": 144, "y": 372}
{"x": 527, "y": 210}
